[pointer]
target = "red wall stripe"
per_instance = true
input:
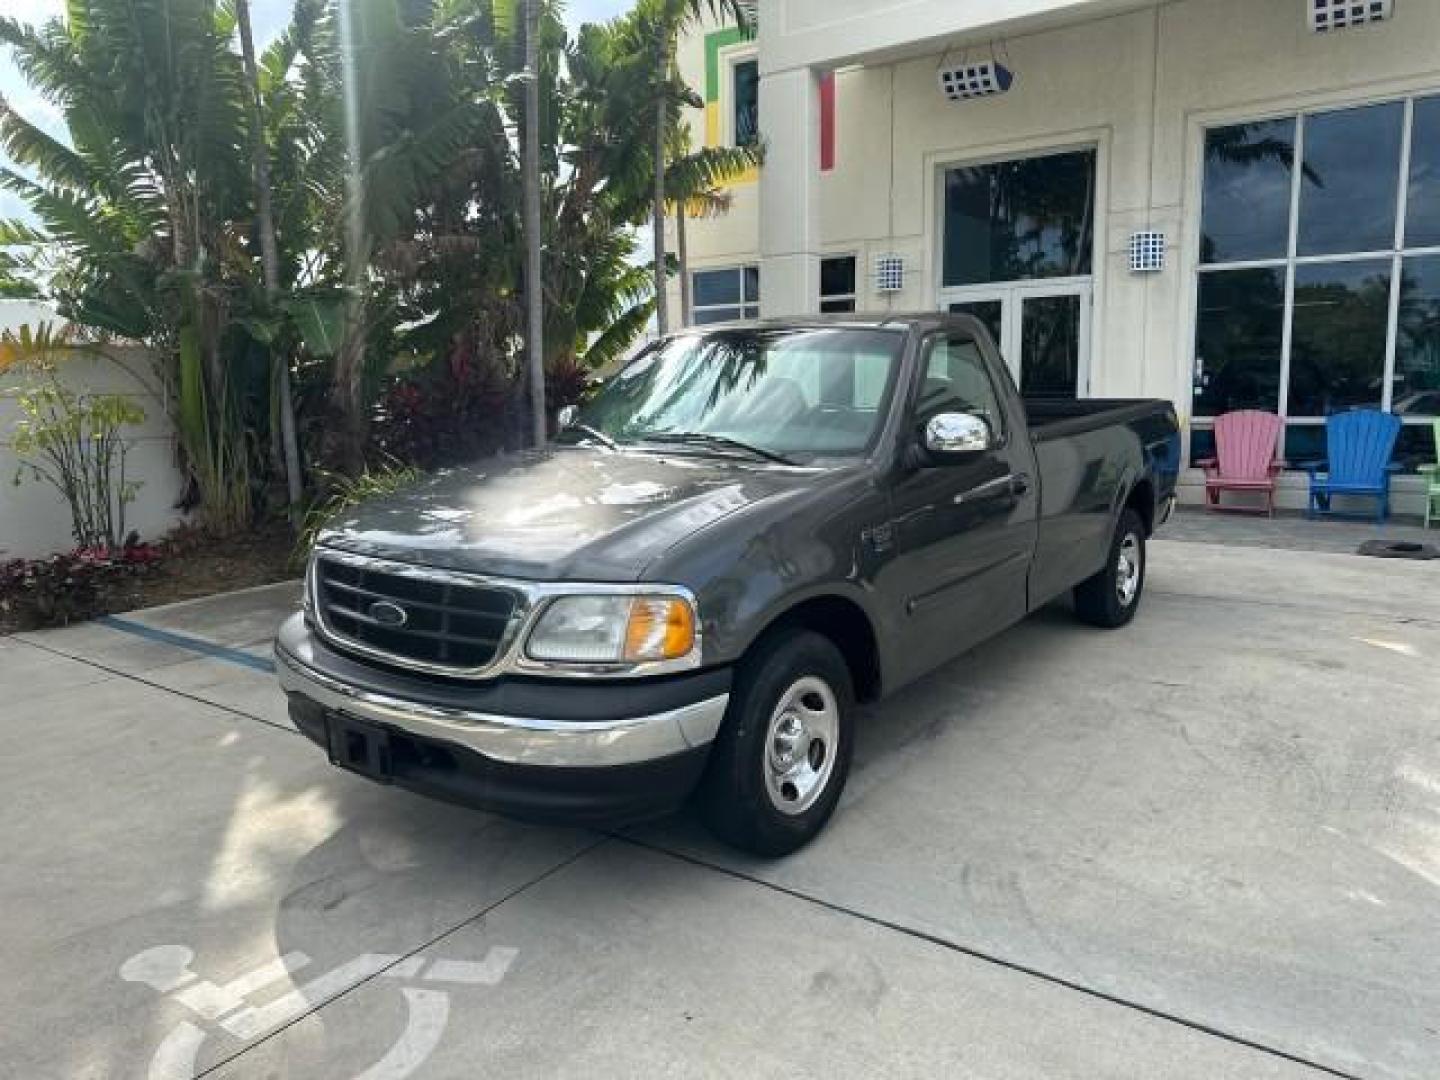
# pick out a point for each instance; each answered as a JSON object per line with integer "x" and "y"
{"x": 827, "y": 121}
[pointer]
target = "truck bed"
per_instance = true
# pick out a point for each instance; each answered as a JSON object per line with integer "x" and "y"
{"x": 1055, "y": 418}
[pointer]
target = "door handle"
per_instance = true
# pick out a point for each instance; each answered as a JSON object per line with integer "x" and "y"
{"x": 1009, "y": 484}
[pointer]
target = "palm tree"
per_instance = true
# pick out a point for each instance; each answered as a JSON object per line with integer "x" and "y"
{"x": 269, "y": 254}
{"x": 138, "y": 210}
{"x": 665, "y": 21}
{"x": 534, "y": 292}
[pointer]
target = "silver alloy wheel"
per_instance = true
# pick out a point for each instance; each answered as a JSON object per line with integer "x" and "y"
{"x": 1127, "y": 570}
{"x": 800, "y": 745}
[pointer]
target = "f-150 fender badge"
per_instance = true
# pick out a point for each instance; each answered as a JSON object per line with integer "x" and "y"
{"x": 879, "y": 538}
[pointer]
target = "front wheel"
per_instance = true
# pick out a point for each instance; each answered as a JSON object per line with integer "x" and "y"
{"x": 1111, "y": 597}
{"x": 781, "y": 759}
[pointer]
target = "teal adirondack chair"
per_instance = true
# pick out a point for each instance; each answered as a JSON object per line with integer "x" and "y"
{"x": 1432, "y": 473}
{"x": 1358, "y": 448}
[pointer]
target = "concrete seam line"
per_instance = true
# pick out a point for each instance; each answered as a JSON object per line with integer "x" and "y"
{"x": 1290, "y": 606}
{"x": 569, "y": 860}
{"x": 159, "y": 686}
{"x": 989, "y": 958}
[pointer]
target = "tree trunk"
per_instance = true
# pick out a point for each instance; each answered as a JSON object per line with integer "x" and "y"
{"x": 269, "y": 255}
{"x": 346, "y": 398}
{"x": 534, "y": 282}
{"x": 662, "y": 121}
{"x": 682, "y": 253}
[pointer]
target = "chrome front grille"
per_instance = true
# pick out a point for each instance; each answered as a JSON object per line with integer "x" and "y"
{"x": 411, "y": 616}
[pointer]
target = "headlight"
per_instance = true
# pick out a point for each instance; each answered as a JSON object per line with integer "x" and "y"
{"x": 613, "y": 630}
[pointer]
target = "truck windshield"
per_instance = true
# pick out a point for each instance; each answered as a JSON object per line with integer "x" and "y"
{"x": 784, "y": 393}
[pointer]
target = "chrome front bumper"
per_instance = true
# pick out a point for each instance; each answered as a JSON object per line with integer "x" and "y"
{"x": 515, "y": 740}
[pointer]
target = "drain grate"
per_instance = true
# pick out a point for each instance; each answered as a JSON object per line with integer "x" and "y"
{"x": 1398, "y": 549}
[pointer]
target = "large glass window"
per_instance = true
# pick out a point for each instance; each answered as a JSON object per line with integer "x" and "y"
{"x": 1239, "y": 333}
{"x": 1319, "y": 283}
{"x": 1350, "y": 179}
{"x": 1337, "y": 355}
{"x": 1020, "y": 219}
{"x": 1416, "y": 382}
{"x": 723, "y": 295}
{"x": 1422, "y": 205}
{"x": 1246, "y": 213}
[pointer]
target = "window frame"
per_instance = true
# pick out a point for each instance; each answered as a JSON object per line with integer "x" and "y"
{"x": 747, "y": 306}
{"x": 730, "y": 60}
{"x": 1395, "y": 254}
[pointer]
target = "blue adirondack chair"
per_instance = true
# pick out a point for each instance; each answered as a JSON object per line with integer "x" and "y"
{"x": 1358, "y": 446}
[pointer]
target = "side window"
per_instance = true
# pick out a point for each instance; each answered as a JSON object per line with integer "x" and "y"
{"x": 955, "y": 380}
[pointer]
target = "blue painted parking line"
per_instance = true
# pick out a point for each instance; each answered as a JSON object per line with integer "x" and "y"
{"x": 185, "y": 641}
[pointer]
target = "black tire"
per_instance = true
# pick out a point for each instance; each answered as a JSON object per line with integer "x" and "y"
{"x": 1101, "y": 600}
{"x": 735, "y": 798}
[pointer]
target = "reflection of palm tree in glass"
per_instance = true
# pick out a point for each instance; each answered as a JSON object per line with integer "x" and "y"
{"x": 1251, "y": 145}
{"x": 1040, "y": 216}
{"x": 1238, "y": 336}
{"x": 661, "y": 395}
{"x": 1417, "y": 354}
{"x": 775, "y": 391}
{"x": 1337, "y": 358}
{"x": 1040, "y": 212}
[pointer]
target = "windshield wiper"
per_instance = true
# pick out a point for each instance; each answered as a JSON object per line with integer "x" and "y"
{"x": 719, "y": 442}
{"x": 594, "y": 433}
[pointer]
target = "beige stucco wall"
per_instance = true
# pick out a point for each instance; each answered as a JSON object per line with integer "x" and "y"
{"x": 1140, "y": 86}
{"x": 34, "y": 520}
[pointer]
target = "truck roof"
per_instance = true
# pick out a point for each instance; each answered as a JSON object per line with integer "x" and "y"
{"x": 859, "y": 319}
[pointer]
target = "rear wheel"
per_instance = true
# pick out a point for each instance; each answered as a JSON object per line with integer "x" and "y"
{"x": 781, "y": 759}
{"x": 1111, "y": 597}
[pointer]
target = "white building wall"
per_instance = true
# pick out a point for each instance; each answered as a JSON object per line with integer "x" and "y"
{"x": 34, "y": 520}
{"x": 1138, "y": 84}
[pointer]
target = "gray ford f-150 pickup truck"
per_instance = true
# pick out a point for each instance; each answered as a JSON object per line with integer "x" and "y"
{"x": 747, "y": 530}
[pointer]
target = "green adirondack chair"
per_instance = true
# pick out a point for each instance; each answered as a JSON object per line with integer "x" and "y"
{"x": 1432, "y": 493}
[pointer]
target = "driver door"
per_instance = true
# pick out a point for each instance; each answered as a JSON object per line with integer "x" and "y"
{"x": 964, "y": 530}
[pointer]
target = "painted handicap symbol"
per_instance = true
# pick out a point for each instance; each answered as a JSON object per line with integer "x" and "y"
{"x": 166, "y": 968}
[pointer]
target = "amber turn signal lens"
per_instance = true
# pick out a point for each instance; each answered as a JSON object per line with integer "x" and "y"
{"x": 660, "y": 628}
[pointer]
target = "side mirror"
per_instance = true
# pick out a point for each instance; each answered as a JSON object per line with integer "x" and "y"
{"x": 953, "y": 434}
{"x": 566, "y": 416}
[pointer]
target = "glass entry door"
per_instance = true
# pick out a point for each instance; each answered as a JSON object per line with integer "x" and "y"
{"x": 1042, "y": 328}
{"x": 1017, "y": 252}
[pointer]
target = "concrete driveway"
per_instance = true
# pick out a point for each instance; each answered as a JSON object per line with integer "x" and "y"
{"x": 1208, "y": 845}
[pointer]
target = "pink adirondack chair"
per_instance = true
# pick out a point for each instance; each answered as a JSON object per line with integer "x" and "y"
{"x": 1245, "y": 443}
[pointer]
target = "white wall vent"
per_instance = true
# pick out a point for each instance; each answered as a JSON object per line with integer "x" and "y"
{"x": 889, "y": 273}
{"x": 985, "y": 79}
{"x": 1147, "y": 252}
{"x": 1327, "y": 15}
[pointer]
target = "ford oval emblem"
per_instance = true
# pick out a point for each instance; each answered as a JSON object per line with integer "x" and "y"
{"x": 387, "y": 614}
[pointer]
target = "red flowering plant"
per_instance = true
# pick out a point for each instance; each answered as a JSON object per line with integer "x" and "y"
{"x": 71, "y": 586}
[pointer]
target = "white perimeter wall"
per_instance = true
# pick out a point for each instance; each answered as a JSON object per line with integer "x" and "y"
{"x": 34, "y": 520}
{"x": 1140, "y": 86}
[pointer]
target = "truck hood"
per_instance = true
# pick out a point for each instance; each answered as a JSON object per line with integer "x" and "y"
{"x": 569, "y": 514}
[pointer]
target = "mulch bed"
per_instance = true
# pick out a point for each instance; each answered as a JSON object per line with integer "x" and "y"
{"x": 196, "y": 564}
